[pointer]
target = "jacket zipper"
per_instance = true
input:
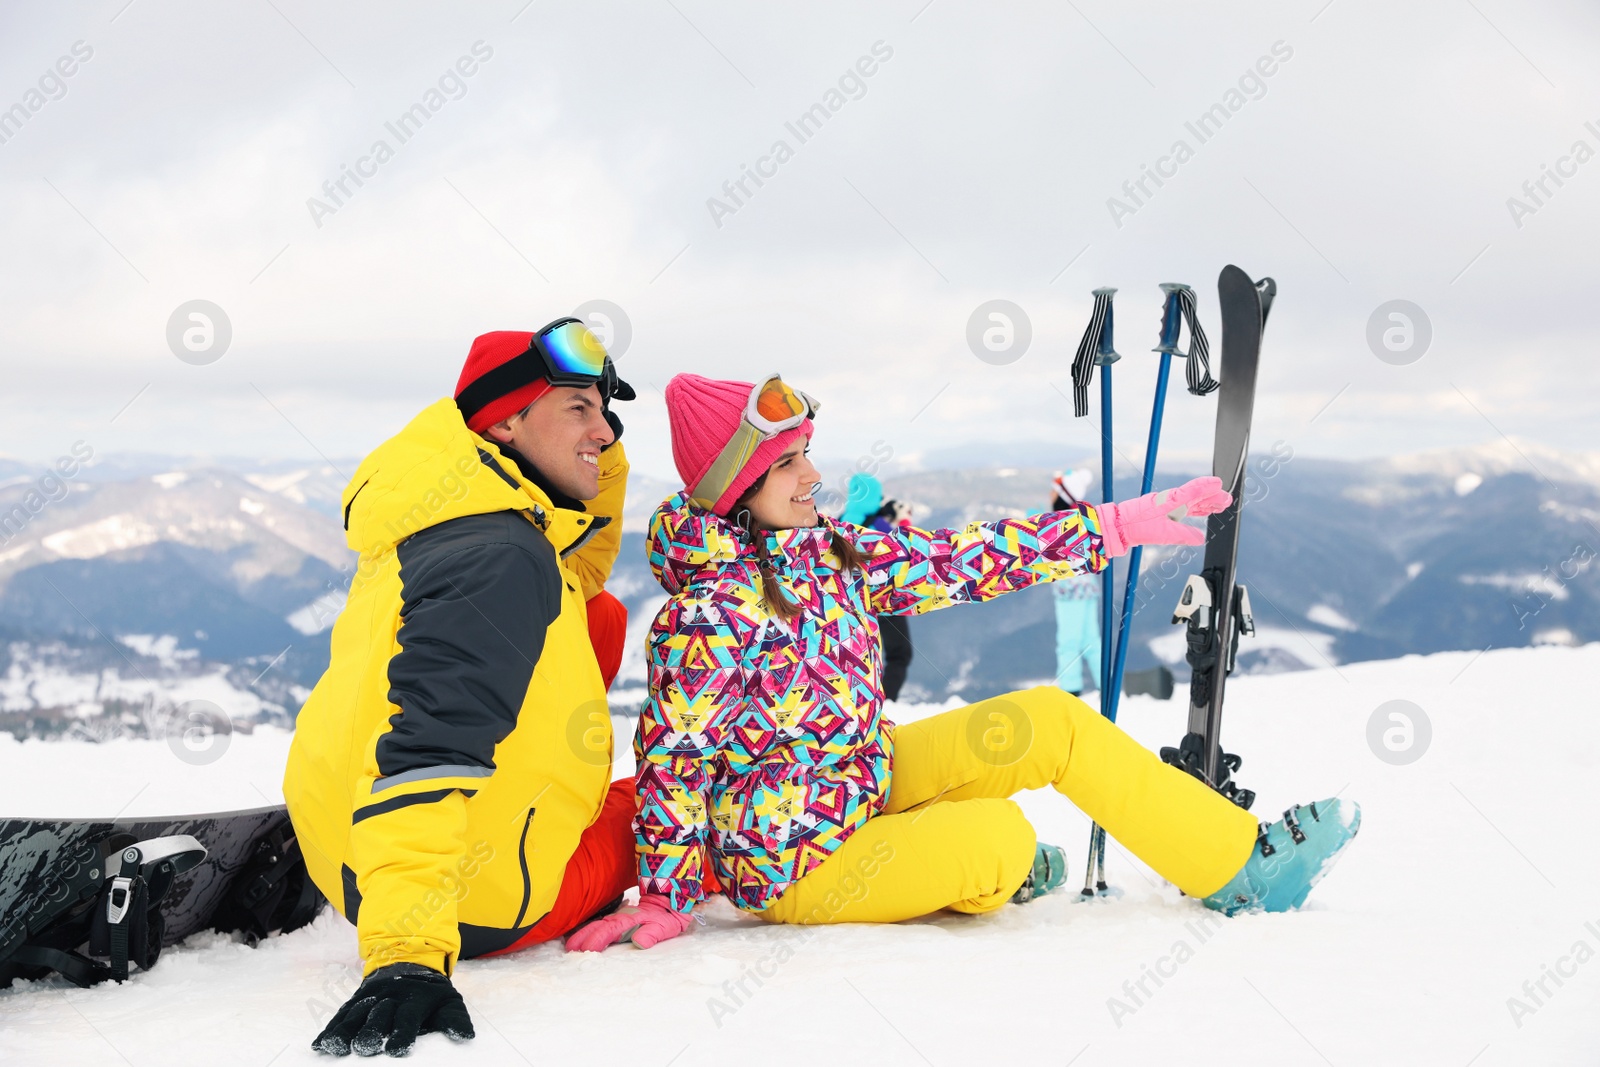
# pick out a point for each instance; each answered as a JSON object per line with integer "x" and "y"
{"x": 522, "y": 857}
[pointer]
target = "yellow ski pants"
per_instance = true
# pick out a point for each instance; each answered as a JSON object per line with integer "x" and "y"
{"x": 948, "y": 838}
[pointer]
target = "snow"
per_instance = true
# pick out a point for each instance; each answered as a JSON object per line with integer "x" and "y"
{"x": 319, "y": 615}
{"x": 1329, "y": 616}
{"x": 1542, "y": 584}
{"x": 285, "y": 485}
{"x": 1474, "y": 873}
{"x": 30, "y": 684}
{"x": 1308, "y": 646}
{"x": 1502, "y": 456}
{"x": 163, "y": 648}
{"x": 110, "y": 534}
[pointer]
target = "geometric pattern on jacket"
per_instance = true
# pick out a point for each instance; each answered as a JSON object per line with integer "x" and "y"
{"x": 762, "y": 746}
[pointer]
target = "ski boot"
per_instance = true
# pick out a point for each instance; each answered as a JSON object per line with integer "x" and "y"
{"x": 1049, "y": 871}
{"x": 1291, "y": 856}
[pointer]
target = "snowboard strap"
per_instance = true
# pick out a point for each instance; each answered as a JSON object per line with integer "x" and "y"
{"x": 274, "y": 891}
{"x": 124, "y": 925}
{"x": 77, "y": 969}
{"x": 1198, "y": 371}
{"x": 1094, "y": 348}
{"x": 107, "y": 898}
{"x": 127, "y": 924}
{"x": 121, "y": 900}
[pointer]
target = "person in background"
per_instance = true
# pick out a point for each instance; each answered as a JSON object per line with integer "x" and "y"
{"x": 1077, "y": 602}
{"x": 866, "y": 506}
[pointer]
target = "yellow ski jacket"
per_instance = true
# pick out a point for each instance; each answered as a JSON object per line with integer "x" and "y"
{"x": 444, "y": 767}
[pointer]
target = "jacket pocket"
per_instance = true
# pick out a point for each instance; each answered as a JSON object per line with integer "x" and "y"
{"x": 522, "y": 858}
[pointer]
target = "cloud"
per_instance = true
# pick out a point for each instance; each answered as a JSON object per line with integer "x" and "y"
{"x": 578, "y": 162}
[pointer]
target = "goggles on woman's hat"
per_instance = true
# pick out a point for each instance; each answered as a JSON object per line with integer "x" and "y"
{"x": 773, "y": 407}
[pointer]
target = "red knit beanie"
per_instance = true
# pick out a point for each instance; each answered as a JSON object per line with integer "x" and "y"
{"x": 505, "y": 397}
{"x": 703, "y": 414}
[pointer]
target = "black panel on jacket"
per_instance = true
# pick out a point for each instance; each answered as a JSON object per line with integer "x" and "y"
{"x": 352, "y": 895}
{"x": 477, "y": 595}
{"x": 481, "y": 940}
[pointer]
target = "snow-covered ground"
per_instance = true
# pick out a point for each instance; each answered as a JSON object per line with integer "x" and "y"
{"x": 1462, "y": 927}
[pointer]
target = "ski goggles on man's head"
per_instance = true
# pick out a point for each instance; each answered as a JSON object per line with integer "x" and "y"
{"x": 571, "y": 353}
{"x": 772, "y": 408}
{"x": 566, "y": 352}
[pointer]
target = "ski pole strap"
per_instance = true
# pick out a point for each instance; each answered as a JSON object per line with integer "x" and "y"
{"x": 1198, "y": 371}
{"x": 1094, "y": 342}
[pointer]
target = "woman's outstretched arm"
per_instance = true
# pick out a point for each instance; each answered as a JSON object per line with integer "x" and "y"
{"x": 911, "y": 571}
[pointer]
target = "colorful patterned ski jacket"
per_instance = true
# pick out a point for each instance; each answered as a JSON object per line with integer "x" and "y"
{"x": 763, "y": 743}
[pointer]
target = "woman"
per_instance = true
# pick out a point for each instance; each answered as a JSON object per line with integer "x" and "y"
{"x": 762, "y": 748}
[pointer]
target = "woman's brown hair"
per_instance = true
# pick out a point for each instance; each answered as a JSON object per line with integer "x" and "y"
{"x": 772, "y": 594}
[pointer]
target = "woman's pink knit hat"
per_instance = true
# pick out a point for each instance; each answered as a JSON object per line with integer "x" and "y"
{"x": 703, "y": 414}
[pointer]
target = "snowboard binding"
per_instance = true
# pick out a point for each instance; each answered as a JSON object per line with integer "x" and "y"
{"x": 272, "y": 893}
{"x": 107, "y": 895}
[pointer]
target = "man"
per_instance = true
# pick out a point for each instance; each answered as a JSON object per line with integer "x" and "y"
{"x": 448, "y": 778}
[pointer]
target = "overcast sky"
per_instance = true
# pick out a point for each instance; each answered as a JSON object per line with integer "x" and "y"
{"x": 1359, "y": 152}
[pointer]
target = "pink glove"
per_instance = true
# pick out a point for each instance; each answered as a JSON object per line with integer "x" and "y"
{"x": 1152, "y": 519}
{"x": 651, "y": 923}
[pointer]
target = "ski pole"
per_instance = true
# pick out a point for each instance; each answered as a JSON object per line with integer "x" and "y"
{"x": 1171, "y": 319}
{"x": 1111, "y": 693}
{"x": 1178, "y": 308}
{"x": 1107, "y": 585}
{"x": 1097, "y": 350}
{"x": 1171, "y": 322}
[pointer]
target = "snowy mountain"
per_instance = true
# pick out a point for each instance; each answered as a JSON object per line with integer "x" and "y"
{"x": 1436, "y": 940}
{"x": 1466, "y": 549}
{"x": 119, "y": 595}
{"x": 237, "y": 571}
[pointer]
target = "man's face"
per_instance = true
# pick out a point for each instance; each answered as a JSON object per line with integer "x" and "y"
{"x": 562, "y": 434}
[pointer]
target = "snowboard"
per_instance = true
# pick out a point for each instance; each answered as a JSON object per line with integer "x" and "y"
{"x": 1213, "y": 606}
{"x": 43, "y": 863}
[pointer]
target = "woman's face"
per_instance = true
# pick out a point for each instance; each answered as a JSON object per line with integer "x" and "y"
{"x": 784, "y": 500}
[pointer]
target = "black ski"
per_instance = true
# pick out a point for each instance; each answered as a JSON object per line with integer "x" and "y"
{"x": 1215, "y": 608}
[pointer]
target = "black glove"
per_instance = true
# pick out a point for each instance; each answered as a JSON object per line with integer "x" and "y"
{"x": 389, "y": 1010}
{"x": 613, "y": 388}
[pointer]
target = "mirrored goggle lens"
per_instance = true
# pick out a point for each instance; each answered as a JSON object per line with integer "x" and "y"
{"x": 779, "y": 403}
{"x": 574, "y": 349}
